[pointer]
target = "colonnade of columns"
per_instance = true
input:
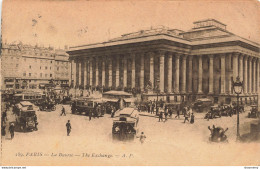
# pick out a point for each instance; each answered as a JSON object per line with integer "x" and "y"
{"x": 170, "y": 72}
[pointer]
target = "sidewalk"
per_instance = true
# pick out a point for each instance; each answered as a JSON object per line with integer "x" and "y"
{"x": 147, "y": 114}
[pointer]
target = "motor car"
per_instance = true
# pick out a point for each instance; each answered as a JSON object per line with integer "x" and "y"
{"x": 125, "y": 124}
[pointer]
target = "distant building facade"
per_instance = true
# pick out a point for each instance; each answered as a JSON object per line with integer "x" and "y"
{"x": 183, "y": 65}
{"x": 32, "y": 67}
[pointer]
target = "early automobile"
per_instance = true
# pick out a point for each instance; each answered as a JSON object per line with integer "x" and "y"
{"x": 25, "y": 117}
{"x": 214, "y": 112}
{"x": 202, "y": 104}
{"x": 94, "y": 106}
{"x": 125, "y": 124}
{"x": 66, "y": 100}
{"x": 226, "y": 110}
{"x": 46, "y": 105}
{"x": 217, "y": 134}
{"x": 254, "y": 113}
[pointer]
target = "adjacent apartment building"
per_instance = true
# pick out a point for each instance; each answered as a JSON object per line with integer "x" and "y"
{"x": 32, "y": 67}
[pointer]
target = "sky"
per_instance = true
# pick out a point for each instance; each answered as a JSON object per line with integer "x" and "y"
{"x": 59, "y": 23}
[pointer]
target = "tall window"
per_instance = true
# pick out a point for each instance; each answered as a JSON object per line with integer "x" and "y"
{"x": 30, "y": 74}
{"x": 50, "y": 75}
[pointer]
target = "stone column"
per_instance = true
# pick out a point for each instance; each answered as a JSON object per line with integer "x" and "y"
{"x": 250, "y": 75}
{"x": 257, "y": 76}
{"x": 235, "y": 66}
{"x": 125, "y": 71}
{"x": 229, "y": 75}
{"x": 110, "y": 71}
{"x": 161, "y": 56}
{"x": 82, "y": 73}
{"x": 245, "y": 75}
{"x": 91, "y": 72}
{"x": 142, "y": 72}
{"x": 103, "y": 72}
{"x": 241, "y": 67}
{"x": 223, "y": 74}
{"x": 170, "y": 73}
{"x": 183, "y": 88}
{"x": 79, "y": 69}
{"x": 253, "y": 75}
{"x": 74, "y": 69}
{"x": 85, "y": 73}
{"x": 133, "y": 70}
{"x": 200, "y": 75}
{"x": 190, "y": 75}
{"x": 117, "y": 71}
{"x": 177, "y": 73}
{"x": 97, "y": 73}
{"x": 211, "y": 74}
{"x": 151, "y": 55}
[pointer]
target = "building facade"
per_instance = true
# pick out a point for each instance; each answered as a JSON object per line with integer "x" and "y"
{"x": 184, "y": 65}
{"x": 31, "y": 67}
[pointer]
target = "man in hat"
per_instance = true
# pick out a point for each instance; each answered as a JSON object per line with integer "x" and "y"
{"x": 68, "y": 126}
{"x": 11, "y": 130}
{"x": 160, "y": 115}
{"x": 63, "y": 111}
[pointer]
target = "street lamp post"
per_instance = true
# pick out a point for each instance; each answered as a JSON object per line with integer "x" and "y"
{"x": 238, "y": 87}
{"x": 157, "y": 90}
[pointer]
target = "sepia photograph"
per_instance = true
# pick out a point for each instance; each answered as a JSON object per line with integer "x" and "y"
{"x": 130, "y": 83}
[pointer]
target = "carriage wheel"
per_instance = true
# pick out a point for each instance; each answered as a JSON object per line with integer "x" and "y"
{"x": 53, "y": 108}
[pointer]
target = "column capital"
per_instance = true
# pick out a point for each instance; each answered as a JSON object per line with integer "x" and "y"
{"x": 236, "y": 54}
{"x": 177, "y": 55}
{"x": 222, "y": 55}
{"x": 250, "y": 58}
{"x": 161, "y": 52}
{"x": 151, "y": 53}
{"x": 184, "y": 56}
{"x": 211, "y": 56}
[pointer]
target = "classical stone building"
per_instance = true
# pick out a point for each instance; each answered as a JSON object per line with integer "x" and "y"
{"x": 184, "y": 65}
{"x": 30, "y": 67}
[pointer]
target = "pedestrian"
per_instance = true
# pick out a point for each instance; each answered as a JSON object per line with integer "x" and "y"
{"x": 35, "y": 122}
{"x": 170, "y": 112}
{"x": 63, "y": 111}
{"x": 192, "y": 118}
{"x": 161, "y": 116}
{"x": 68, "y": 126}
{"x": 4, "y": 116}
{"x": 113, "y": 112}
{"x": 11, "y": 130}
{"x": 152, "y": 109}
{"x": 148, "y": 108}
{"x": 142, "y": 137}
{"x": 186, "y": 116}
{"x": 165, "y": 115}
{"x": 178, "y": 113}
{"x": 89, "y": 115}
{"x": 3, "y": 132}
